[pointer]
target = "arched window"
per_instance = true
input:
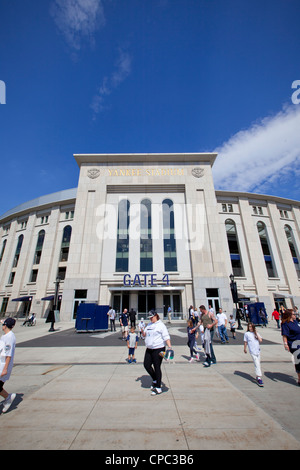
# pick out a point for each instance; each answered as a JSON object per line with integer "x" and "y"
{"x": 18, "y": 251}
{"x": 146, "y": 255}
{"x": 170, "y": 256}
{"x": 122, "y": 254}
{"x": 293, "y": 248}
{"x": 3, "y": 249}
{"x": 234, "y": 250}
{"x": 39, "y": 247}
{"x": 263, "y": 236}
{"x": 65, "y": 243}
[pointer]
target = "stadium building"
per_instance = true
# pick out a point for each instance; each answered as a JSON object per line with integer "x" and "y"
{"x": 148, "y": 231}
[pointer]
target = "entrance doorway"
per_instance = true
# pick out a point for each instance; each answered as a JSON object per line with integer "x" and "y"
{"x": 120, "y": 301}
{"x": 25, "y": 308}
{"x": 213, "y": 299}
{"x": 146, "y": 302}
{"x": 4, "y": 306}
{"x": 174, "y": 301}
{"x": 79, "y": 297}
{"x": 279, "y": 302}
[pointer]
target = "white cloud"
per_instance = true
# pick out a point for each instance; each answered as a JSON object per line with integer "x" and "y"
{"x": 123, "y": 68}
{"x": 266, "y": 153}
{"x": 121, "y": 72}
{"x": 77, "y": 19}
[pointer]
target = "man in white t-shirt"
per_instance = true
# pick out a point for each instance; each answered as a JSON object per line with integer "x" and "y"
{"x": 211, "y": 310}
{"x": 112, "y": 316}
{"x": 7, "y": 353}
{"x": 222, "y": 324}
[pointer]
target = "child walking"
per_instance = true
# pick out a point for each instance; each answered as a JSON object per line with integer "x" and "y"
{"x": 253, "y": 340}
{"x": 132, "y": 341}
{"x": 232, "y": 326}
{"x": 142, "y": 326}
{"x": 191, "y": 331}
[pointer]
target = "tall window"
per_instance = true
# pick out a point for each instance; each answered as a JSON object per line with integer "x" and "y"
{"x": 65, "y": 243}
{"x": 33, "y": 275}
{"x": 233, "y": 244}
{"x": 170, "y": 256}
{"x": 146, "y": 255}
{"x": 18, "y": 251}
{"x": 3, "y": 249}
{"x": 293, "y": 248}
{"x": 263, "y": 236}
{"x": 39, "y": 247}
{"x": 123, "y": 236}
{"x": 11, "y": 277}
{"x": 61, "y": 272}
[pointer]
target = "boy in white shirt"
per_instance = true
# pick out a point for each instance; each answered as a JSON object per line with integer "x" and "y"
{"x": 132, "y": 341}
{"x": 7, "y": 352}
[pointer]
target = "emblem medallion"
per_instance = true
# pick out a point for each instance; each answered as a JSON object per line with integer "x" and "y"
{"x": 197, "y": 172}
{"x": 93, "y": 173}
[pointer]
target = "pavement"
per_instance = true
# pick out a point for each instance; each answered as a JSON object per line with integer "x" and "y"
{"x": 76, "y": 391}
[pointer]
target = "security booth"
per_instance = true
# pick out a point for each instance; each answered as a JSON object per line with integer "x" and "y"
{"x": 91, "y": 317}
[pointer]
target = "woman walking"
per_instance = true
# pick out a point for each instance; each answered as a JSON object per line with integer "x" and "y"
{"x": 156, "y": 338}
{"x": 290, "y": 331}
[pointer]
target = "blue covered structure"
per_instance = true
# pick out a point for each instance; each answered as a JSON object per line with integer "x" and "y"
{"x": 257, "y": 313}
{"x": 91, "y": 317}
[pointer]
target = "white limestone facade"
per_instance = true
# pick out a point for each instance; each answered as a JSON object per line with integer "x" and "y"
{"x": 148, "y": 231}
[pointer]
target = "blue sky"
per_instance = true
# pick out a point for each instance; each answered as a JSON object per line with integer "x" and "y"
{"x": 122, "y": 76}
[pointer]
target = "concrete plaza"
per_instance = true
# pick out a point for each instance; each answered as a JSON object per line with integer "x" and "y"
{"x": 76, "y": 391}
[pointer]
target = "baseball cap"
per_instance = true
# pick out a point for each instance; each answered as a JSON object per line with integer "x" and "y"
{"x": 152, "y": 313}
{"x": 9, "y": 322}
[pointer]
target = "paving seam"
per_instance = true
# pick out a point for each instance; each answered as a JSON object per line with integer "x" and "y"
{"x": 177, "y": 411}
{"x": 133, "y": 365}
{"x": 96, "y": 401}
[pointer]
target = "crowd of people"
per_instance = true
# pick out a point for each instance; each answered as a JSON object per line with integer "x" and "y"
{"x": 201, "y": 326}
{"x": 205, "y": 323}
{"x": 276, "y": 315}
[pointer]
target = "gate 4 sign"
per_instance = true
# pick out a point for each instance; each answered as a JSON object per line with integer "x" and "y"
{"x": 140, "y": 280}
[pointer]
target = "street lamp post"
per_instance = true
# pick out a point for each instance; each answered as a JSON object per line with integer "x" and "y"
{"x": 235, "y": 299}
